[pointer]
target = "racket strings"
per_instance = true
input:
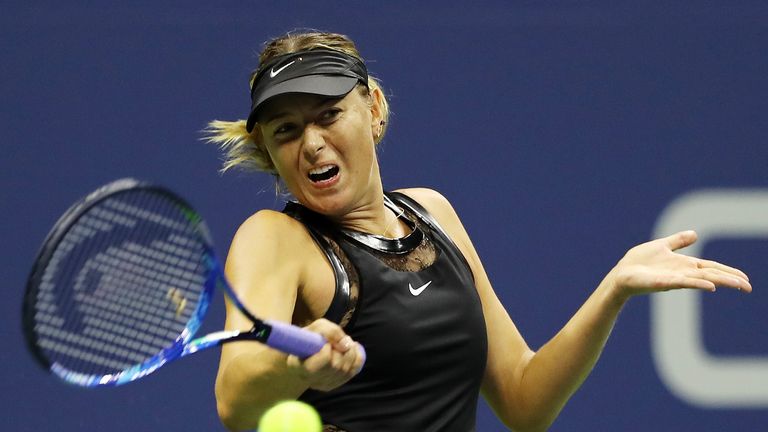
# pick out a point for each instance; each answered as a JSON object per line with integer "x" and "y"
{"x": 53, "y": 320}
{"x": 105, "y": 349}
{"x": 121, "y": 285}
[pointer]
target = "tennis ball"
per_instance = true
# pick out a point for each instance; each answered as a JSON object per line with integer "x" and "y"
{"x": 290, "y": 416}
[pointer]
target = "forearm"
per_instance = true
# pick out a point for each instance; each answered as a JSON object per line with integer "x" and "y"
{"x": 557, "y": 369}
{"x": 251, "y": 382}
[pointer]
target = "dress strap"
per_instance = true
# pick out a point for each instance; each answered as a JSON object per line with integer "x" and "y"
{"x": 342, "y": 301}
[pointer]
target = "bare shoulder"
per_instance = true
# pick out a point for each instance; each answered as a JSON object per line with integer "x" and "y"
{"x": 268, "y": 238}
{"x": 435, "y": 203}
{"x": 269, "y": 228}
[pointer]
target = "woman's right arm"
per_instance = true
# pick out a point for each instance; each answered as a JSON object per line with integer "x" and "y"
{"x": 266, "y": 268}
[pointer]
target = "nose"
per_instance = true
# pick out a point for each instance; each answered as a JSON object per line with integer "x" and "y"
{"x": 313, "y": 141}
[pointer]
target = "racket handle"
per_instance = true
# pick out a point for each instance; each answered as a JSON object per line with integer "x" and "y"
{"x": 295, "y": 340}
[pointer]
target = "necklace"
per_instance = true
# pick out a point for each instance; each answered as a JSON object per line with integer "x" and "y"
{"x": 389, "y": 245}
{"x": 397, "y": 214}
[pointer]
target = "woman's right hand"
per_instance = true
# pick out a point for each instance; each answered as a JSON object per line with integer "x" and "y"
{"x": 336, "y": 363}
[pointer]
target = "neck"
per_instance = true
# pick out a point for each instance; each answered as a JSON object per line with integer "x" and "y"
{"x": 375, "y": 218}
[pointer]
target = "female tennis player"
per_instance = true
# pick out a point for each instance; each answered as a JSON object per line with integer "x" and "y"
{"x": 392, "y": 271}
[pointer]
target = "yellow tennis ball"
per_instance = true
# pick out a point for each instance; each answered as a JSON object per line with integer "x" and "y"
{"x": 290, "y": 416}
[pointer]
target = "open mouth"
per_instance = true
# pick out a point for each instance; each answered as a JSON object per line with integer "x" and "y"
{"x": 323, "y": 174}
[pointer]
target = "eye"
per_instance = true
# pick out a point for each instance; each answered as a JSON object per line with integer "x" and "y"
{"x": 329, "y": 115}
{"x": 284, "y": 129}
{"x": 286, "y": 132}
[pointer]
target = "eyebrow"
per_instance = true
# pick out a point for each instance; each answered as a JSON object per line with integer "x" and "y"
{"x": 274, "y": 117}
{"x": 320, "y": 103}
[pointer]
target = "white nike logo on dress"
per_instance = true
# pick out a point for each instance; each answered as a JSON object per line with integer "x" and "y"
{"x": 418, "y": 290}
{"x": 273, "y": 73}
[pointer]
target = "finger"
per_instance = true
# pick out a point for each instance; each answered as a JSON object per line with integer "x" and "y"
{"x": 726, "y": 279}
{"x": 691, "y": 282}
{"x": 345, "y": 344}
{"x": 333, "y": 333}
{"x": 351, "y": 361}
{"x": 702, "y": 263}
{"x": 681, "y": 239}
{"x": 341, "y": 366}
{"x": 313, "y": 363}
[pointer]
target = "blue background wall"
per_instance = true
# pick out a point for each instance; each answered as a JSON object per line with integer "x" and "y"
{"x": 560, "y": 131}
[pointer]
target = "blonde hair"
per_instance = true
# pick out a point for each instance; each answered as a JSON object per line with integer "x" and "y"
{"x": 244, "y": 150}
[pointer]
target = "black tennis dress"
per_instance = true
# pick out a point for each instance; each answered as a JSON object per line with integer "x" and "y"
{"x": 412, "y": 303}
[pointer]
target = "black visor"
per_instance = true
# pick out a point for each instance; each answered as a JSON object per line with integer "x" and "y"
{"x": 321, "y": 72}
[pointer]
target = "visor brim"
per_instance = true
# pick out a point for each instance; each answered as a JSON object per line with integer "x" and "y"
{"x": 321, "y": 85}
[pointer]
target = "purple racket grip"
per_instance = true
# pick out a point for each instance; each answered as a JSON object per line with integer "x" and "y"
{"x": 297, "y": 341}
{"x": 294, "y": 340}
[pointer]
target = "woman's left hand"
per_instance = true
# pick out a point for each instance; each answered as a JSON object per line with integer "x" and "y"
{"x": 656, "y": 266}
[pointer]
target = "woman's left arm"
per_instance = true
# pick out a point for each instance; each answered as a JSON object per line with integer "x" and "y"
{"x": 527, "y": 389}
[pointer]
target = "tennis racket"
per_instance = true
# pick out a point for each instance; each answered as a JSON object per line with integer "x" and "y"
{"x": 122, "y": 284}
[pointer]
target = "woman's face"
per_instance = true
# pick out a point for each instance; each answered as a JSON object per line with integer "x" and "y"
{"x": 324, "y": 150}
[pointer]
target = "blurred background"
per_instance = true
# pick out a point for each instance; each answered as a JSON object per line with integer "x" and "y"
{"x": 563, "y": 132}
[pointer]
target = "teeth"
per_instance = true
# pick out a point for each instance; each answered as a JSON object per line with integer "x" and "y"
{"x": 321, "y": 170}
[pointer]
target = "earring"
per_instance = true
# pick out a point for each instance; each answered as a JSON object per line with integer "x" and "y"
{"x": 379, "y": 129}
